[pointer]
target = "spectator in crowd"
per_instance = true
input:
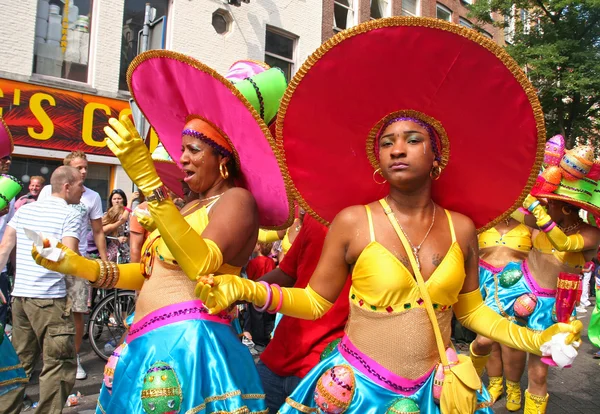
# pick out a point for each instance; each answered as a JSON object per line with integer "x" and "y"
{"x": 36, "y": 183}
{"x": 42, "y": 321}
{"x": 90, "y": 211}
{"x": 6, "y": 214}
{"x": 115, "y": 225}
{"x": 588, "y": 270}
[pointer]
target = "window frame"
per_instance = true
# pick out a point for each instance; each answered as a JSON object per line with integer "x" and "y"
{"x": 289, "y": 35}
{"x": 417, "y": 10}
{"x": 388, "y": 9}
{"x": 465, "y": 23}
{"x": 352, "y": 8}
{"x": 440, "y": 6}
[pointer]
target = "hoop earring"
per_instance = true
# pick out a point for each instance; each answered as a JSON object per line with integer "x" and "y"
{"x": 378, "y": 171}
{"x": 224, "y": 172}
{"x": 435, "y": 173}
{"x": 566, "y": 211}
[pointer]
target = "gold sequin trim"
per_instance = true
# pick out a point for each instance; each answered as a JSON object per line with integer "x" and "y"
{"x": 279, "y": 156}
{"x": 437, "y": 125}
{"x": 568, "y": 284}
{"x": 14, "y": 381}
{"x": 109, "y": 371}
{"x": 99, "y": 406}
{"x": 253, "y": 396}
{"x": 428, "y": 22}
{"x": 225, "y": 396}
{"x": 12, "y": 367}
{"x": 161, "y": 392}
{"x": 301, "y": 407}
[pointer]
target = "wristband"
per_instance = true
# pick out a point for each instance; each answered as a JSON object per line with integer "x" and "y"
{"x": 269, "y": 298}
{"x": 533, "y": 206}
{"x": 524, "y": 211}
{"x": 280, "y": 304}
{"x": 127, "y": 209}
{"x": 548, "y": 226}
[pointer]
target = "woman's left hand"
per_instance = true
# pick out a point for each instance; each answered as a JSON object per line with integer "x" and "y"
{"x": 223, "y": 291}
{"x": 125, "y": 142}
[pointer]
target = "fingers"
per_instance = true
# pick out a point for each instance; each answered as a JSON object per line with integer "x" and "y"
{"x": 120, "y": 129}
{"x": 126, "y": 122}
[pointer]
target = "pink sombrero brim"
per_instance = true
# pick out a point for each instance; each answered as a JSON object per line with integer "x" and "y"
{"x": 6, "y": 142}
{"x": 171, "y": 175}
{"x": 168, "y": 87}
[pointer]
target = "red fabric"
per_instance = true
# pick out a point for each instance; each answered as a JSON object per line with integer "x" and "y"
{"x": 589, "y": 266}
{"x": 297, "y": 345}
{"x": 486, "y": 113}
{"x": 258, "y": 266}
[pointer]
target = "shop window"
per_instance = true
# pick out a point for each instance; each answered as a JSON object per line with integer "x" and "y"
{"x": 62, "y": 39}
{"x": 279, "y": 50}
{"x": 343, "y": 14}
{"x": 410, "y": 7}
{"x": 380, "y": 8}
{"x": 443, "y": 12}
{"x": 133, "y": 22}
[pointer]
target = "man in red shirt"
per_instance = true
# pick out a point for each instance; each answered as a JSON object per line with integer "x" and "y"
{"x": 297, "y": 344}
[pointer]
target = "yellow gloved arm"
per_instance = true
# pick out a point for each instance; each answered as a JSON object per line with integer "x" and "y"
{"x": 73, "y": 264}
{"x": 560, "y": 241}
{"x": 268, "y": 236}
{"x": 228, "y": 289}
{"x": 519, "y": 215}
{"x": 144, "y": 217}
{"x": 475, "y": 315}
{"x": 194, "y": 254}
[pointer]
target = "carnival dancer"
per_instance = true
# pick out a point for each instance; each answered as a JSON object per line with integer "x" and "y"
{"x": 525, "y": 293}
{"x": 12, "y": 374}
{"x": 412, "y": 121}
{"x": 178, "y": 358}
{"x": 508, "y": 241}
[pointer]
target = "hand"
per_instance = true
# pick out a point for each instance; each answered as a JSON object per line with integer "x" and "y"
{"x": 247, "y": 335}
{"x": 134, "y": 196}
{"x": 224, "y": 291}
{"x": 125, "y": 142}
{"x": 70, "y": 264}
{"x": 529, "y": 200}
{"x": 122, "y": 239}
{"x": 573, "y": 328}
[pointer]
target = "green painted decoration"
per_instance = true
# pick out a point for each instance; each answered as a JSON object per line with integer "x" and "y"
{"x": 330, "y": 348}
{"x": 509, "y": 277}
{"x": 161, "y": 393}
{"x": 403, "y": 406}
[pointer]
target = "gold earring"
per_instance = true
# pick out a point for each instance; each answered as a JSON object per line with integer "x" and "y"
{"x": 224, "y": 172}
{"x": 566, "y": 211}
{"x": 378, "y": 171}
{"x": 435, "y": 173}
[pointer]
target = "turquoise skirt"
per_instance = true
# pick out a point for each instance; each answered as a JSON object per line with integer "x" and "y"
{"x": 180, "y": 359}
{"x": 515, "y": 295}
{"x": 12, "y": 374}
{"x": 486, "y": 277}
{"x": 350, "y": 382}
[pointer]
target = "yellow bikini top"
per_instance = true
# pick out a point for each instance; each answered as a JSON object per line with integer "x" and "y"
{"x": 518, "y": 238}
{"x": 155, "y": 247}
{"x": 380, "y": 282}
{"x": 572, "y": 259}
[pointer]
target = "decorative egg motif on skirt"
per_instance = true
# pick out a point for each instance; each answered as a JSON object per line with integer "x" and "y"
{"x": 330, "y": 348}
{"x": 555, "y": 149}
{"x": 109, "y": 368}
{"x": 510, "y": 277}
{"x": 403, "y": 406}
{"x": 525, "y": 305}
{"x": 577, "y": 162}
{"x": 161, "y": 392}
{"x": 335, "y": 389}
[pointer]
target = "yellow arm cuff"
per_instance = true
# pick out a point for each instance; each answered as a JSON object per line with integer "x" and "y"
{"x": 475, "y": 315}
{"x": 130, "y": 277}
{"x": 518, "y": 215}
{"x": 300, "y": 303}
{"x": 194, "y": 254}
{"x": 268, "y": 236}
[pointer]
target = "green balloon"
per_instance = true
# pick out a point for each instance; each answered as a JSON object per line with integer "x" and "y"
{"x": 510, "y": 277}
{"x": 161, "y": 392}
{"x": 403, "y": 406}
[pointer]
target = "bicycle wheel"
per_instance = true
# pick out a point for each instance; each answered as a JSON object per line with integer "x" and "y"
{"x": 107, "y": 322}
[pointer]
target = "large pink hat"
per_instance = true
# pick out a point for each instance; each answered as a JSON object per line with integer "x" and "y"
{"x": 6, "y": 141}
{"x": 170, "y": 87}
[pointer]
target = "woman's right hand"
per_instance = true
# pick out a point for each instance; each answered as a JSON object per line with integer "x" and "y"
{"x": 224, "y": 290}
{"x": 71, "y": 264}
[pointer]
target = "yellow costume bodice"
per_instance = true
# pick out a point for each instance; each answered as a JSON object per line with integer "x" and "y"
{"x": 385, "y": 304}
{"x": 518, "y": 238}
{"x": 166, "y": 283}
{"x": 383, "y": 282}
{"x": 571, "y": 259}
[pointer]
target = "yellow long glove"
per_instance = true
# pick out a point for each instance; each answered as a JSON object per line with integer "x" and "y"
{"x": 145, "y": 219}
{"x": 228, "y": 289}
{"x": 73, "y": 264}
{"x": 560, "y": 241}
{"x": 475, "y": 315}
{"x": 268, "y": 236}
{"x": 195, "y": 255}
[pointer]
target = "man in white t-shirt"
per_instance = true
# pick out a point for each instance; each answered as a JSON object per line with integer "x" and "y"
{"x": 6, "y": 214}
{"x": 42, "y": 321}
{"x": 90, "y": 209}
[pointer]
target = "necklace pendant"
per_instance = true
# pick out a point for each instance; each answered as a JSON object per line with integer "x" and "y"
{"x": 416, "y": 254}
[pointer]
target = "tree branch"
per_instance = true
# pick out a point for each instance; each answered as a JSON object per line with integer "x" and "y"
{"x": 548, "y": 13}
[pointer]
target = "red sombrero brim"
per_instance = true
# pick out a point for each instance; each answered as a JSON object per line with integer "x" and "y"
{"x": 171, "y": 175}
{"x": 169, "y": 86}
{"x": 590, "y": 208}
{"x": 486, "y": 105}
{"x": 6, "y": 141}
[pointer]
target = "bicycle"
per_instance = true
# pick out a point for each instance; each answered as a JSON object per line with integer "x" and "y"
{"x": 107, "y": 324}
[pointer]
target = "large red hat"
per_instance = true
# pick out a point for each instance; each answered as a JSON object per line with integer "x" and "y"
{"x": 6, "y": 141}
{"x": 465, "y": 86}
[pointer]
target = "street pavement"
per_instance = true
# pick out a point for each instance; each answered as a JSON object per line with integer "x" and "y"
{"x": 573, "y": 390}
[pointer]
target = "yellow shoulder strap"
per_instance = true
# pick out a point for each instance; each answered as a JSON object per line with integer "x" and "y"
{"x": 370, "y": 218}
{"x": 451, "y": 225}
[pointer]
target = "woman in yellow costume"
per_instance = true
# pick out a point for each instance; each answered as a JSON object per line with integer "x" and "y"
{"x": 287, "y": 236}
{"x": 508, "y": 241}
{"x": 360, "y": 123}
{"x": 178, "y": 358}
{"x": 525, "y": 293}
